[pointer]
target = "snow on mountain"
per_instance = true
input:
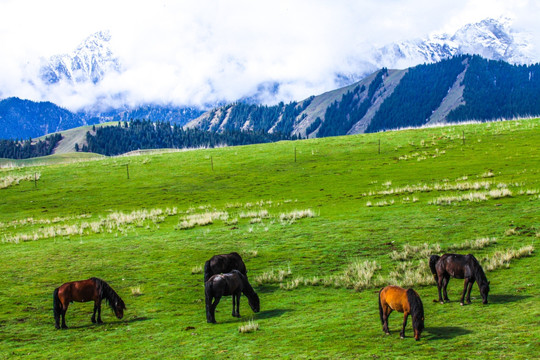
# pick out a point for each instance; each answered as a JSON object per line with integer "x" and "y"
{"x": 493, "y": 39}
{"x": 91, "y": 61}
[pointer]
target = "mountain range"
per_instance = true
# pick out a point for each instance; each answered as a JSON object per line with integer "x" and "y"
{"x": 461, "y": 88}
{"x": 94, "y": 60}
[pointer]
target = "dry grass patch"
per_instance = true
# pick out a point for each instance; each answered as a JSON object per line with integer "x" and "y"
{"x": 411, "y": 251}
{"x": 273, "y": 276}
{"x": 250, "y": 326}
{"x": 408, "y": 274}
{"x": 501, "y": 259}
{"x": 474, "y": 244}
{"x": 9, "y": 180}
{"x": 136, "y": 291}
{"x": 207, "y": 218}
{"x": 296, "y": 214}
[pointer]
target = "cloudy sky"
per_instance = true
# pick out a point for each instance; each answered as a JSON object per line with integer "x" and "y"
{"x": 199, "y": 52}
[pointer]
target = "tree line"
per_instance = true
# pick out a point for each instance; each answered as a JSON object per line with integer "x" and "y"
{"x": 145, "y": 134}
{"x": 17, "y": 149}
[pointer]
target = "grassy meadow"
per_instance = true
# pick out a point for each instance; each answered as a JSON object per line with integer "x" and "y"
{"x": 322, "y": 225}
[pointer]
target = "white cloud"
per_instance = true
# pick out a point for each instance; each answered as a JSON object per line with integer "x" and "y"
{"x": 201, "y": 52}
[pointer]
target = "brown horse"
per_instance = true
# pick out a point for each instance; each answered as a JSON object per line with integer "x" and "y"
{"x": 233, "y": 283}
{"x": 460, "y": 267}
{"x": 93, "y": 289}
{"x": 220, "y": 264}
{"x": 405, "y": 301}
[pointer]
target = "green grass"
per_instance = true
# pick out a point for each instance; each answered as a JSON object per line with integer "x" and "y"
{"x": 154, "y": 263}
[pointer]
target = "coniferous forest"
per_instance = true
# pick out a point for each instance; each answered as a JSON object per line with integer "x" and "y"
{"x": 145, "y": 134}
{"x": 14, "y": 149}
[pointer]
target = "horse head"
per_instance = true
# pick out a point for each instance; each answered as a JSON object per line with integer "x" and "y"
{"x": 254, "y": 302}
{"x": 418, "y": 328}
{"x": 484, "y": 291}
{"x": 119, "y": 307}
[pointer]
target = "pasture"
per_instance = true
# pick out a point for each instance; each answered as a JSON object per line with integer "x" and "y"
{"x": 322, "y": 225}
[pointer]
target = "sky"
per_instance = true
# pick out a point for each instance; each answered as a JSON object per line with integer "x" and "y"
{"x": 202, "y": 52}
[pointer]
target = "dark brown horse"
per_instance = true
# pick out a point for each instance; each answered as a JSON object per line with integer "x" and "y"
{"x": 234, "y": 283}
{"x": 93, "y": 289}
{"x": 460, "y": 267}
{"x": 220, "y": 264}
{"x": 407, "y": 302}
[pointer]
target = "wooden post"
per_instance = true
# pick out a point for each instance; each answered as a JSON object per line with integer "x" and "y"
{"x": 463, "y": 137}
{"x": 35, "y": 180}
{"x": 379, "y": 146}
{"x": 295, "y": 154}
{"x": 212, "y": 162}
{"x": 127, "y": 170}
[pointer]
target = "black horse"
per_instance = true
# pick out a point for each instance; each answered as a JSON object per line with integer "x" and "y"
{"x": 93, "y": 289}
{"x": 220, "y": 264}
{"x": 460, "y": 267}
{"x": 233, "y": 283}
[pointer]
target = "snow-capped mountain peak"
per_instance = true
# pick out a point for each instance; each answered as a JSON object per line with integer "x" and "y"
{"x": 91, "y": 61}
{"x": 491, "y": 38}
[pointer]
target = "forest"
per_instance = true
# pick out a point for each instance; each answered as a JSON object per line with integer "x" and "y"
{"x": 145, "y": 134}
{"x": 16, "y": 149}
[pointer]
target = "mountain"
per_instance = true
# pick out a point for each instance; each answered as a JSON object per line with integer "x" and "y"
{"x": 90, "y": 62}
{"x": 23, "y": 119}
{"x": 457, "y": 89}
{"x": 493, "y": 39}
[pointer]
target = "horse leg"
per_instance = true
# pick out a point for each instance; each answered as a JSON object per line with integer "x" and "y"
{"x": 213, "y": 310}
{"x": 465, "y": 285}
{"x": 63, "y": 315}
{"x": 93, "y": 318}
{"x": 99, "y": 312}
{"x": 471, "y": 283}
{"x": 446, "y": 280}
{"x": 386, "y": 313}
{"x": 238, "y": 304}
{"x": 439, "y": 288}
{"x": 233, "y": 305}
{"x": 405, "y": 316}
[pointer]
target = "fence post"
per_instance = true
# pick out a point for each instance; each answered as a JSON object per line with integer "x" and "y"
{"x": 295, "y": 154}
{"x": 463, "y": 131}
{"x": 379, "y": 146}
{"x": 35, "y": 180}
{"x": 127, "y": 170}
{"x": 212, "y": 162}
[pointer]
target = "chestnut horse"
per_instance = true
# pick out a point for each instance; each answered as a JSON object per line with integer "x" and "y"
{"x": 406, "y": 301}
{"x": 220, "y": 264}
{"x": 460, "y": 267}
{"x": 233, "y": 283}
{"x": 93, "y": 289}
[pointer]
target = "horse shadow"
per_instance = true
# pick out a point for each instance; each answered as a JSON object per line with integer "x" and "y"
{"x": 505, "y": 299}
{"x": 267, "y": 314}
{"x": 446, "y": 332}
{"x": 129, "y": 321}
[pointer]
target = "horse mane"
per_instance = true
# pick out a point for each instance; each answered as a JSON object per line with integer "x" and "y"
{"x": 106, "y": 292}
{"x": 247, "y": 288}
{"x": 417, "y": 309}
{"x": 478, "y": 272}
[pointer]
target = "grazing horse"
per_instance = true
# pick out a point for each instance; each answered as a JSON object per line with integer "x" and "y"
{"x": 460, "y": 267}
{"x": 402, "y": 300}
{"x": 220, "y": 264}
{"x": 93, "y": 289}
{"x": 233, "y": 283}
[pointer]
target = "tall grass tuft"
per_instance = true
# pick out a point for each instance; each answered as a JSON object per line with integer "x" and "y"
{"x": 273, "y": 276}
{"x": 358, "y": 275}
{"x": 250, "y": 326}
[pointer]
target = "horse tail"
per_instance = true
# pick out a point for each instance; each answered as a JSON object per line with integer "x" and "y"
{"x": 207, "y": 271}
{"x": 417, "y": 309}
{"x": 57, "y": 306}
{"x": 432, "y": 262}
{"x": 380, "y": 307}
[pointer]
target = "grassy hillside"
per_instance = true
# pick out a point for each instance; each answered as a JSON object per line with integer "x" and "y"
{"x": 320, "y": 236}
